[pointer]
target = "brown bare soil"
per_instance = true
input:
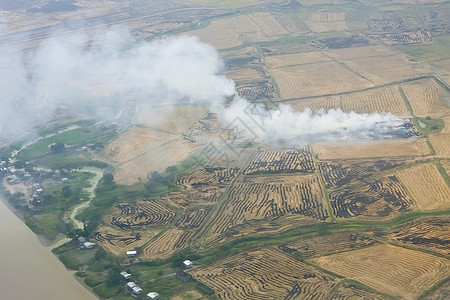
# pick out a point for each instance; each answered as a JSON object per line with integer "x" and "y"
{"x": 373, "y": 149}
{"x": 118, "y": 242}
{"x": 265, "y": 273}
{"x": 398, "y": 271}
{"x": 427, "y": 187}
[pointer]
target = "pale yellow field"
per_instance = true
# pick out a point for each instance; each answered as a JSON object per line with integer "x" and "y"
{"x": 134, "y": 142}
{"x": 350, "y": 150}
{"x": 386, "y": 99}
{"x": 166, "y": 244}
{"x": 230, "y": 32}
{"x": 244, "y": 75}
{"x": 394, "y": 270}
{"x": 156, "y": 159}
{"x": 380, "y": 64}
{"x": 326, "y": 103}
{"x": 172, "y": 119}
{"x": 316, "y": 79}
{"x": 441, "y": 144}
{"x": 427, "y": 98}
{"x": 446, "y": 129}
{"x": 295, "y": 59}
{"x": 427, "y": 186}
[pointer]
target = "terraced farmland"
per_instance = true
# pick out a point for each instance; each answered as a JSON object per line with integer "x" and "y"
{"x": 166, "y": 244}
{"x": 381, "y": 198}
{"x": 414, "y": 271}
{"x": 140, "y": 214}
{"x": 263, "y": 274}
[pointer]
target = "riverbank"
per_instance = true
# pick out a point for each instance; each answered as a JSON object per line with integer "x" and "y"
{"x": 31, "y": 270}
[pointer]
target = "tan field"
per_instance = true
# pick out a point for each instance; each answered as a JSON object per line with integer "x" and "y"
{"x": 274, "y": 62}
{"x": 398, "y": 271}
{"x": 265, "y": 274}
{"x": 167, "y": 118}
{"x": 380, "y": 64}
{"x": 327, "y": 21}
{"x": 352, "y": 292}
{"x": 373, "y": 149}
{"x": 427, "y": 187}
{"x": 316, "y": 104}
{"x": 166, "y": 244}
{"x": 382, "y": 100}
{"x": 244, "y": 75}
{"x": 441, "y": 144}
{"x": 230, "y": 32}
{"x": 446, "y": 165}
{"x": 427, "y": 98}
{"x": 156, "y": 159}
{"x": 135, "y": 142}
{"x": 118, "y": 242}
{"x": 316, "y": 79}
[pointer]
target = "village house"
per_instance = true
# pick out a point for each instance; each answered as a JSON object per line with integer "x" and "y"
{"x": 187, "y": 264}
{"x": 152, "y": 295}
{"x": 88, "y": 245}
{"x": 125, "y": 275}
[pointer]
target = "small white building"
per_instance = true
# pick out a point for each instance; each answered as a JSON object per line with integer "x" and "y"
{"x": 125, "y": 275}
{"x": 88, "y": 245}
{"x": 131, "y": 253}
{"x": 187, "y": 264}
{"x": 131, "y": 285}
{"x": 152, "y": 295}
{"x": 136, "y": 290}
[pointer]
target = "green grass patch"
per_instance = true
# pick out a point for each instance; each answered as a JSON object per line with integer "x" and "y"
{"x": 438, "y": 50}
{"x": 104, "y": 291}
{"x": 93, "y": 280}
{"x": 429, "y": 125}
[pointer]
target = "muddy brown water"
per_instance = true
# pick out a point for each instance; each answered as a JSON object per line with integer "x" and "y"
{"x": 28, "y": 270}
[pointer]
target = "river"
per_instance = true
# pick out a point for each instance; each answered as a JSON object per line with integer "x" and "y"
{"x": 28, "y": 269}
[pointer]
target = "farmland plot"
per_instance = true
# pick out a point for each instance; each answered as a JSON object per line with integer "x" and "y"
{"x": 316, "y": 104}
{"x": 262, "y": 198}
{"x": 294, "y": 59}
{"x": 321, "y": 245}
{"x": 281, "y": 161}
{"x": 409, "y": 273}
{"x": 351, "y": 292}
{"x": 156, "y": 159}
{"x": 118, "y": 241}
{"x": 432, "y": 234}
{"x": 380, "y": 64}
{"x": 427, "y": 97}
{"x": 140, "y": 214}
{"x": 166, "y": 244}
{"x": 316, "y": 79}
{"x": 382, "y": 100}
{"x": 265, "y": 274}
{"x": 397, "y": 148}
{"x": 441, "y": 144}
{"x": 426, "y": 186}
{"x": 327, "y": 21}
{"x": 381, "y": 198}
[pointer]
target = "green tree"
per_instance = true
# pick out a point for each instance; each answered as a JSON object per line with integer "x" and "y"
{"x": 108, "y": 178}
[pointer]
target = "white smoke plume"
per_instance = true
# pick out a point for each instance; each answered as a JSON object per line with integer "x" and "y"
{"x": 96, "y": 71}
{"x": 284, "y": 124}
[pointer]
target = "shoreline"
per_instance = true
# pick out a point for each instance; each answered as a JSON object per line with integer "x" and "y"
{"x": 44, "y": 269}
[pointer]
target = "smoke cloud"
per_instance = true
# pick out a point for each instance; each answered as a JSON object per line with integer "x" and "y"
{"x": 96, "y": 71}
